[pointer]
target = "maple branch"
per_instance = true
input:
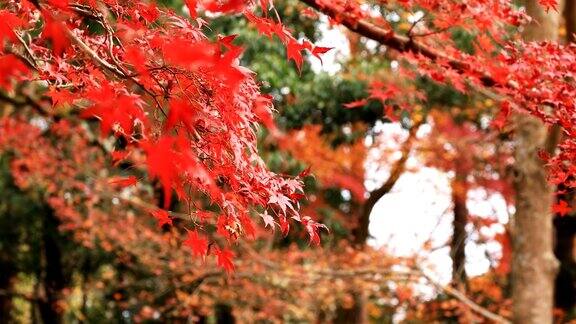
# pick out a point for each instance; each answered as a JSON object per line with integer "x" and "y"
{"x": 112, "y": 68}
{"x": 398, "y": 42}
{"x": 190, "y": 286}
{"x": 361, "y": 231}
{"x": 31, "y": 59}
{"x": 95, "y": 14}
{"x": 94, "y": 56}
{"x": 117, "y": 67}
{"x": 26, "y": 102}
{"x": 430, "y": 33}
{"x": 553, "y": 138}
{"x": 464, "y": 299}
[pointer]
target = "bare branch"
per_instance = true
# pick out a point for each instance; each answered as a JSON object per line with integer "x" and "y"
{"x": 464, "y": 299}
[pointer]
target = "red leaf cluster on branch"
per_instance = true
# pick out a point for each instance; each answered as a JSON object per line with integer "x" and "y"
{"x": 537, "y": 77}
{"x": 154, "y": 80}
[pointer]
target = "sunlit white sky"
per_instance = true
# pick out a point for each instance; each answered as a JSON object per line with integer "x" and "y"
{"x": 419, "y": 207}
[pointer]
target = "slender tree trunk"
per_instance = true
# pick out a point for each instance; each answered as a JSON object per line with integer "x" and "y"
{"x": 459, "y": 236}
{"x": 52, "y": 277}
{"x": 360, "y": 233}
{"x": 6, "y": 286}
{"x": 533, "y": 263}
{"x": 354, "y": 314}
{"x": 357, "y": 313}
{"x": 8, "y": 267}
{"x": 565, "y": 284}
{"x": 224, "y": 314}
{"x": 570, "y": 20}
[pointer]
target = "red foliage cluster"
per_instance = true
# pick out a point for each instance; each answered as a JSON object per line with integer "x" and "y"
{"x": 155, "y": 81}
{"x": 524, "y": 76}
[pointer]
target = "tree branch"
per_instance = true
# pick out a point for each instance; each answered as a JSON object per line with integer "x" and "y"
{"x": 26, "y": 102}
{"x": 464, "y": 299}
{"x": 398, "y": 42}
{"x": 361, "y": 230}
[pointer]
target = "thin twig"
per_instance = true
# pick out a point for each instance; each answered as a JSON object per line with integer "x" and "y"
{"x": 464, "y": 299}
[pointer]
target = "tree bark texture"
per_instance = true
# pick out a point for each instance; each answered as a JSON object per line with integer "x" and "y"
{"x": 534, "y": 265}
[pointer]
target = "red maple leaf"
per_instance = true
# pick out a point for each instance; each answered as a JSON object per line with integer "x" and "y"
{"x": 356, "y": 104}
{"x": 11, "y": 68}
{"x": 60, "y": 96}
{"x": 161, "y": 160}
{"x": 268, "y": 220}
{"x": 284, "y": 225}
{"x": 219, "y": 6}
{"x": 123, "y": 181}
{"x": 8, "y": 23}
{"x": 312, "y": 228}
{"x": 561, "y": 208}
{"x": 181, "y": 111}
{"x": 549, "y": 4}
{"x": 282, "y": 201}
{"x": 149, "y": 11}
{"x": 197, "y": 244}
{"x": 60, "y": 4}
{"x": 162, "y": 217}
{"x": 319, "y": 50}
{"x": 294, "y": 52}
{"x": 192, "y": 4}
{"x": 262, "y": 110}
{"x": 247, "y": 226}
{"x": 56, "y": 32}
{"x": 224, "y": 259}
{"x": 122, "y": 111}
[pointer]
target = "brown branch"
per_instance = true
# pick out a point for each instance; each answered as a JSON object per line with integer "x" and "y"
{"x": 31, "y": 59}
{"x": 116, "y": 70}
{"x": 398, "y": 42}
{"x": 94, "y": 56}
{"x": 553, "y": 138}
{"x": 464, "y": 299}
{"x": 361, "y": 231}
{"x": 26, "y": 102}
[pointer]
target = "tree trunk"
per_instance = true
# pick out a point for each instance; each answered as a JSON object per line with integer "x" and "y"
{"x": 357, "y": 314}
{"x": 6, "y": 287}
{"x": 533, "y": 263}
{"x": 52, "y": 276}
{"x": 459, "y": 236}
{"x": 570, "y": 20}
{"x": 8, "y": 266}
{"x": 565, "y": 284}
{"x": 360, "y": 233}
{"x": 224, "y": 314}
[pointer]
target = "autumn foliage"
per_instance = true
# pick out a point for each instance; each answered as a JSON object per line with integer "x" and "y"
{"x": 141, "y": 130}
{"x": 183, "y": 108}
